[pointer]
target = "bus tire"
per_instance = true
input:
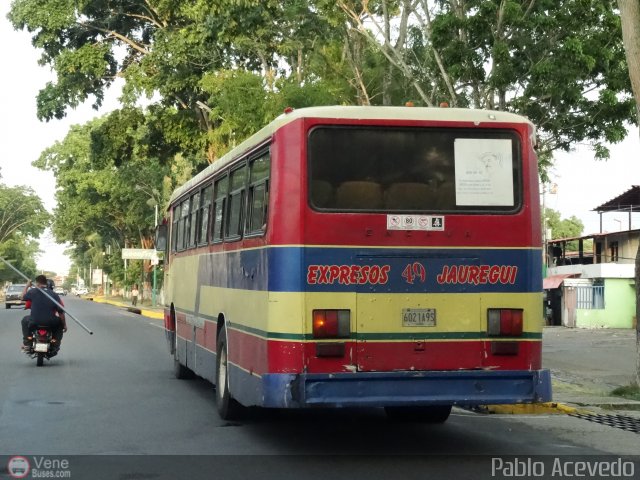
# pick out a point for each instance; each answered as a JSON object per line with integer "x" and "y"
{"x": 228, "y": 408}
{"x": 430, "y": 414}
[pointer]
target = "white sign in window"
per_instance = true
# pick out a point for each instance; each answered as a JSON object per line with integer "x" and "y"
{"x": 484, "y": 172}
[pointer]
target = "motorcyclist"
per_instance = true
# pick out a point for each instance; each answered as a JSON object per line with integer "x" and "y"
{"x": 43, "y": 312}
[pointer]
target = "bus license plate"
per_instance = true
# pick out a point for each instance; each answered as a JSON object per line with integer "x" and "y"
{"x": 418, "y": 317}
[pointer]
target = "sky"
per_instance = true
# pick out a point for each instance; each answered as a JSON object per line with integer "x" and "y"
{"x": 582, "y": 183}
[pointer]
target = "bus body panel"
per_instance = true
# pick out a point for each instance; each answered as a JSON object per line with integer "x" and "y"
{"x": 265, "y": 290}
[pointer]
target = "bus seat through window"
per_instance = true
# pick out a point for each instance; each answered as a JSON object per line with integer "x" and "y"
{"x": 410, "y": 196}
{"x": 359, "y": 195}
{"x": 446, "y": 196}
{"x": 321, "y": 193}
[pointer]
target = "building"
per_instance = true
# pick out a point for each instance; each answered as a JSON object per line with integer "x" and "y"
{"x": 590, "y": 279}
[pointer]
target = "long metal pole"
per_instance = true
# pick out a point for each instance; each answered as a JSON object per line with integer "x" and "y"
{"x": 154, "y": 293}
{"x": 48, "y": 296}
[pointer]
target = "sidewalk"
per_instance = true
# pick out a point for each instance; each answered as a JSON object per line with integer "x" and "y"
{"x": 146, "y": 310}
{"x": 586, "y": 366}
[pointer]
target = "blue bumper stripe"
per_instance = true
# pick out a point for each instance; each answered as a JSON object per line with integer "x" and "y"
{"x": 405, "y": 388}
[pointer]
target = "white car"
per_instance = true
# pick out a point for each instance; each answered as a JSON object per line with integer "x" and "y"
{"x": 81, "y": 291}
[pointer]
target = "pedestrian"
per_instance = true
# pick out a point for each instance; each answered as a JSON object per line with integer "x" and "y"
{"x": 134, "y": 295}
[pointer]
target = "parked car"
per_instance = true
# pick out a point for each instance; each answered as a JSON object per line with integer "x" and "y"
{"x": 60, "y": 291}
{"x": 81, "y": 291}
{"x": 13, "y": 295}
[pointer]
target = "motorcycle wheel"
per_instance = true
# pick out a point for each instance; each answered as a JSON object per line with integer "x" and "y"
{"x": 40, "y": 360}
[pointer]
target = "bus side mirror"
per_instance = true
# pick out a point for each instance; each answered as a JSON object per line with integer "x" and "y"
{"x": 161, "y": 237}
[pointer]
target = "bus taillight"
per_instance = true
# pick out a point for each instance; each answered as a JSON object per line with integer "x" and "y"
{"x": 504, "y": 322}
{"x": 331, "y": 323}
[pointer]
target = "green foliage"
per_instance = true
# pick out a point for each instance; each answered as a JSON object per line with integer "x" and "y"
{"x": 104, "y": 184}
{"x": 216, "y": 71}
{"x": 176, "y": 51}
{"x": 631, "y": 391}
{"x": 561, "y": 64}
{"x": 21, "y": 253}
{"x": 21, "y": 212}
{"x": 564, "y": 228}
{"x": 22, "y": 218}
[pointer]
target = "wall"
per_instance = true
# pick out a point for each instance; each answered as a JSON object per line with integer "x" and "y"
{"x": 600, "y": 270}
{"x": 620, "y": 304}
{"x": 627, "y": 247}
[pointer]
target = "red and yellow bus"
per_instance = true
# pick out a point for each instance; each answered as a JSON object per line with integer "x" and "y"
{"x": 363, "y": 256}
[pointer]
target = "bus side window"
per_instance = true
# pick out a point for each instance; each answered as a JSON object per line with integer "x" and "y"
{"x": 183, "y": 224}
{"x": 193, "y": 222}
{"x": 204, "y": 214}
{"x": 258, "y": 195}
{"x": 220, "y": 194}
{"x": 237, "y": 188}
{"x": 174, "y": 227}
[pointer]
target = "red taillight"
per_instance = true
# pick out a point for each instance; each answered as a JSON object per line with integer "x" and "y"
{"x": 505, "y": 322}
{"x": 42, "y": 331}
{"x": 331, "y": 323}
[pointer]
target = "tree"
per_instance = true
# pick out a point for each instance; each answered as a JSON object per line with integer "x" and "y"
{"x": 21, "y": 211}
{"x": 561, "y": 64}
{"x": 97, "y": 168}
{"x": 21, "y": 253}
{"x": 165, "y": 49}
{"x": 630, "y": 17}
{"x": 22, "y": 219}
{"x": 563, "y": 228}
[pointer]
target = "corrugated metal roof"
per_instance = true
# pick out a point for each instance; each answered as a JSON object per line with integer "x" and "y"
{"x": 593, "y": 235}
{"x": 628, "y": 201}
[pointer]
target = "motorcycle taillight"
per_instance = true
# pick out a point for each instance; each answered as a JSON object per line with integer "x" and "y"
{"x": 42, "y": 331}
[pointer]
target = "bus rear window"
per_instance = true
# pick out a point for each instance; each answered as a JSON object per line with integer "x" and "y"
{"x": 414, "y": 169}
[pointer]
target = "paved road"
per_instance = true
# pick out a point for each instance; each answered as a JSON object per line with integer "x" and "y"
{"x": 114, "y": 393}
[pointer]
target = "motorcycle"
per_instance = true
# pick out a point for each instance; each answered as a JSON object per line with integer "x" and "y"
{"x": 43, "y": 345}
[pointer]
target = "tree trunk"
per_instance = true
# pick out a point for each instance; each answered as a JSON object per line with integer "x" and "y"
{"x": 630, "y": 19}
{"x": 387, "y": 81}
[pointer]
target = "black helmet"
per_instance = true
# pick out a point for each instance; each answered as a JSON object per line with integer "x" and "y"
{"x": 50, "y": 284}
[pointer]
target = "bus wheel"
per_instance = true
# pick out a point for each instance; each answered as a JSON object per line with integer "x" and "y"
{"x": 228, "y": 408}
{"x": 431, "y": 414}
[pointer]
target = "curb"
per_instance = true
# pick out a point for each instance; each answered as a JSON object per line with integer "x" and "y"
{"x": 140, "y": 311}
{"x": 546, "y": 408}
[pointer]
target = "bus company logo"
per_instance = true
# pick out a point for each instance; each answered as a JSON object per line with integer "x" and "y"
{"x": 348, "y": 274}
{"x": 478, "y": 274}
{"x": 18, "y": 467}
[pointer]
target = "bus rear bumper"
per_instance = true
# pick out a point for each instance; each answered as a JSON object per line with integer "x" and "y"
{"x": 379, "y": 389}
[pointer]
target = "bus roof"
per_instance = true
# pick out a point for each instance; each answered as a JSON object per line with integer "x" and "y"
{"x": 475, "y": 116}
